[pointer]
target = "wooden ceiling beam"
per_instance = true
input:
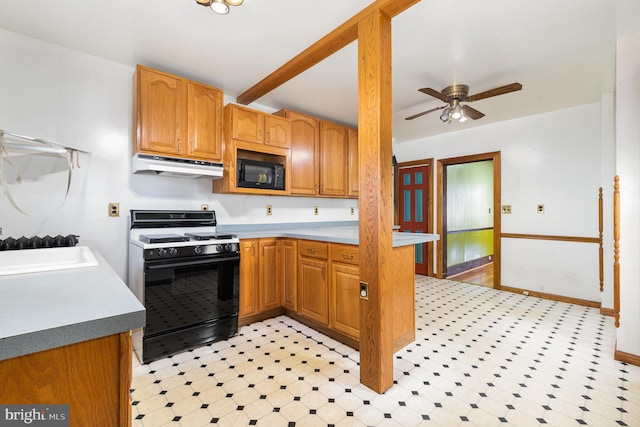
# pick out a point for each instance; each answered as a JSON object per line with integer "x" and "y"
{"x": 323, "y": 48}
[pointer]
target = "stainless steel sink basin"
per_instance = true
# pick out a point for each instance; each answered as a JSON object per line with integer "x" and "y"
{"x": 46, "y": 259}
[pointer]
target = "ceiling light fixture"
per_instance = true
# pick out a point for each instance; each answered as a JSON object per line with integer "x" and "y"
{"x": 220, "y": 7}
{"x": 454, "y": 112}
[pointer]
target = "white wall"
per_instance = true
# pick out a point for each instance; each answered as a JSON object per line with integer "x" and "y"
{"x": 551, "y": 159}
{"x": 68, "y": 97}
{"x": 628, "y": 168}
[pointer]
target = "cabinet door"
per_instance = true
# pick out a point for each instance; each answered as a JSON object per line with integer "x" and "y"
{"x": 344, "y": 300}
{"x": 160, "y": 112}
{"x": 354, "y": 177}
{"x": 333, "y": 159}
{"x": 289, "y": 277}
{"x": 269, "y": 290}
{"x": 247, "y": 124}
{"x": 312, "y": 289}
{"x": 278, "y": 131}
{"x": 249, "y": 277}
{"x": 305, "y": 134}
{"x": 204, "y": 117}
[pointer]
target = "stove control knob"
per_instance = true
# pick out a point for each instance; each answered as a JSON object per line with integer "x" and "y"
{"x": 197, "y": 250}
{"x": 162, "y": 252}
{"x": 222, "y": 248}
{"x": 173, "y": 251}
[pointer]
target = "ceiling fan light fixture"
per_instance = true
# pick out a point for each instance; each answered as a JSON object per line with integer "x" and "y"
{"x": 220, "y": 7}
{"x": 456, "y": 111}
{"x": 463, "y": 116}
{"x": 234, "y": 2}
{"x": 445, "y": 115}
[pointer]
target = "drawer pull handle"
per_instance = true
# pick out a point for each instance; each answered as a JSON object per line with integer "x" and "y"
{"x": 311, "y": 251}
{"x": 345, "y": 256}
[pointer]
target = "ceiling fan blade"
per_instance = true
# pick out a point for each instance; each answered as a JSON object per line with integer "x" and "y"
{"x": 472, "y": 113}
{"x": 434, "y": 93}
{"x": 495, "y": 92}
{"x": 415, "y": 116}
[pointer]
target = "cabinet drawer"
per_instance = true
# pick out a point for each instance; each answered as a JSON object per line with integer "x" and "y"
{"x": 348, "y": 254}
{"x": 314, "y": 249}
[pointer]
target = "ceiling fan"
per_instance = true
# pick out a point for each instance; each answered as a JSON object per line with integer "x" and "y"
{"x": 455, "y": 95}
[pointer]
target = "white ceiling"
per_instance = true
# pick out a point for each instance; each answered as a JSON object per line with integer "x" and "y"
{"x": 562, "y": 51}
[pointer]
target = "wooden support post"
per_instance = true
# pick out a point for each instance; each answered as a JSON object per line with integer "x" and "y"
{"x": 376, "y": 204}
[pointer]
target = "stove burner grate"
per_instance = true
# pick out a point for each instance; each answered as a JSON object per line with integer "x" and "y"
{"x": 209, "y": 236}
{"x": 163, "y": 238}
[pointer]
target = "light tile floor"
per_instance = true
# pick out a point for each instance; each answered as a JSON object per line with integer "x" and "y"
{"x": 481, "y": 358}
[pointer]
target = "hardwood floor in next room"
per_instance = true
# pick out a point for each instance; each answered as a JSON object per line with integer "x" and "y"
{"x": 482, "y": 275}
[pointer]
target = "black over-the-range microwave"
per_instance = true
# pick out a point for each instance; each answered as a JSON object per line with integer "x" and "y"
{"x": 257, "y": 174}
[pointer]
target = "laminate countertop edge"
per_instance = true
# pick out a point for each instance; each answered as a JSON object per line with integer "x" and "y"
{"x": 346, "y": 234}
{"x": 41, "y": 311}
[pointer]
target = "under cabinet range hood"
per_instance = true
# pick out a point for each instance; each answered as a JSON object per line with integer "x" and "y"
{"x": 172, "y": 166}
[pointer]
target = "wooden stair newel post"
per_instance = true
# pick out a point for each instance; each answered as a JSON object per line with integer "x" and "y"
{"x": 376, "y": 204}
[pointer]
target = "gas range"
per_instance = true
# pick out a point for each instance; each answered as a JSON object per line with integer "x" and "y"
{"x": 187, "y": 275}
{"x": 165, "y": 234}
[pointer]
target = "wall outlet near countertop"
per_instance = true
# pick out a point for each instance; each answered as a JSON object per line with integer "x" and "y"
{"x": 353, "y": 211}
{"x": 204, "y": 207}
{"x": 114, "y": 210}
{"x": 315, "y": 210}
{"x": 269, "y": 210}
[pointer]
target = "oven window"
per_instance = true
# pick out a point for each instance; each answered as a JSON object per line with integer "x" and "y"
{"x": 179, "y": 296}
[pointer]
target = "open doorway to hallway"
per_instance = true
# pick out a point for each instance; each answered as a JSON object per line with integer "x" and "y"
{"x": 469, "y": 219}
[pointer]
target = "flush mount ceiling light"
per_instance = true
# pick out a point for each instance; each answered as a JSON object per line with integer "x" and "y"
{"x": 220, "y": 6}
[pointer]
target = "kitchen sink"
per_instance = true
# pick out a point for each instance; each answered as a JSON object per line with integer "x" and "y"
{"x": 46, "y": 259}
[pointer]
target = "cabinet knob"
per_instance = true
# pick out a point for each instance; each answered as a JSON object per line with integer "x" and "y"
{"x": 345, "y": 256}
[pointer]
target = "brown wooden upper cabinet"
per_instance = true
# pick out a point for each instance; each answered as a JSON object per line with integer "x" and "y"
{"x": 305, "y": 147}
{"x": 259, "y": 128}
{"x": 324, "y": 157}
{"x": 176, "y": 117}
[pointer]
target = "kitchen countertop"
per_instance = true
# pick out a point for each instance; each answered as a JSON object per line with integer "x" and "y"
{"x": 40, "y": 311}
{"x": 346, "y": 233}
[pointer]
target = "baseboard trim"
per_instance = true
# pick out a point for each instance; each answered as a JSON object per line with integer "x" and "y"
{"x": 553, "y": 297}
{"x": 621, "y": 356}
{"x": 274, "y": 312}
{"x": 607, "y": 312}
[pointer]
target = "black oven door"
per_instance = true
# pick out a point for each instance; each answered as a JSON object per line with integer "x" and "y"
{"x": 189, "y": 302}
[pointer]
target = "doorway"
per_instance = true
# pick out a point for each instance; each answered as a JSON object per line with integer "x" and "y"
{"x": 415, "y": 208}
{"x": 469, "y": 216}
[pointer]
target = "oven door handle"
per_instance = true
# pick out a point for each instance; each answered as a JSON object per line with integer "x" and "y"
{"x": 190, "y": 263}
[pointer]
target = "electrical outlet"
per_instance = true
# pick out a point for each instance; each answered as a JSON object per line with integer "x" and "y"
{"x": 204, "y": 207}
{"x": 364, "y": 290}
{"x": 114, "y": 210}
{"x": 353, "y": 211}
{"x": 315, "y": 210}
{"x": 506, "y": 209}
{"x": 540, "y": 209}
{"x": 269, "y": 210}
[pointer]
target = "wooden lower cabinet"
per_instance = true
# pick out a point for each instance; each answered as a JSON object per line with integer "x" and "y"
{"x": 319, "y": 283}
{"x": 270, "y": 266}
{"x": 93, "y": 377}
{"x": 344, "y": 299}
{"x": 312, "y": 289}
{"x": 249, "y": 278}
{"x": 289, "y": 262}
